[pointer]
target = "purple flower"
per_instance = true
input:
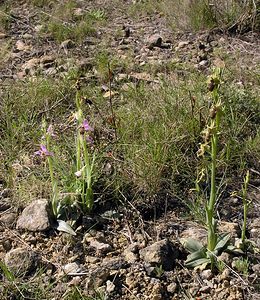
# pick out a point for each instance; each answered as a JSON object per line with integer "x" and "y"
{"x": 43, "y": 152}
{"x": 50, "y": 131}
{"x": 86, "y": 126}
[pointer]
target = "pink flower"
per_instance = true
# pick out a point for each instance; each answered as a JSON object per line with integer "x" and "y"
{"x": 43, "y": 152}
{"x": 86, "y": 126}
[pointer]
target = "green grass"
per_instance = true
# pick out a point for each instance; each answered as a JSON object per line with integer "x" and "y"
{"x": 200, "y": 14}
{"x": 158, "y": 134}
{"x": 5, "y": 17}
{"x": 62, "y": 22}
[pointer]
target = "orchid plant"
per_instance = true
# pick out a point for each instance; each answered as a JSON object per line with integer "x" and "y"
{"x": 84, "y": 164}
{"x": 200, "y": 255}
{"x": 84, "y": 160}
{"x": 44, "y": 152}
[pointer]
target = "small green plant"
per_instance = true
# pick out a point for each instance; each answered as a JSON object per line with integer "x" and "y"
{"x": 97, "y": 14}
{"x": 201, "y": 255}
{"x": 242, "y": 265}
{"x": 84, "y": 165}
{"x": 159, "y": 271}
{"x": 84, "y": 161}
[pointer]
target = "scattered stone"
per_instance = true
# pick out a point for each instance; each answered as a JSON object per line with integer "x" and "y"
{"x": 172, "y": 287}
{"x": 97, "y": 277}
{"x": 228, "y": 227}
{"x": 102, "y": 248}
{"x": 38, "y": 28}
{"x": 182, "y": 44}
{"x": 68, "y": 44}
{"x": 205, "y": 289}
{"x": 129, "y": 255}
{"x": 36, "y": 216}
{"x": 256, "y": 269}
{"x": 21, "y": 261}
{"x": 154, "y": 41}
{"x": 160, "y": 253}
{"x": 8, "y": 219}
{"x": 6, "y": 193}
{"x": 27, "y": 36}
{"x": 71, "y": 268}
{"x": 110, "y": 286}
{"x": 50, "y": 71}
{"x": 206, "y": 274}
{"x": 5, "y": 204}
{"x": 30, "y": 66}
{"x": 21, "y": 46}
{"x": 91, "y": 259}
{"x": 225, "y": 257}
{"x": 78, "y": 12}
{"x": 225, "y": 275}
{"x": 86, "y": 64}
{"x": 110, "y": 94}
{"x": 2, "y": 35}
{"x": 203, "y": 64}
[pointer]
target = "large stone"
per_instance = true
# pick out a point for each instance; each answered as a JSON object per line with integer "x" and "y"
{"x": 36, "y": 216}
{"x": 195, "y": 232}
{"x": 160, "y": 253}
{"x": 154, "y": 41}
{"x": 21, "y": 261}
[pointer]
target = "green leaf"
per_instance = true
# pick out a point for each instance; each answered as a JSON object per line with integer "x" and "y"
{"x": 192, "y": 245}
{"x": 63, "y": 226}
{"x": 7, "y": 273}
{"x": 233, "y": 249}
{"x": 197, "y": 258}
{"x": 192, "y": 263}
{"x": 222, "y": 242}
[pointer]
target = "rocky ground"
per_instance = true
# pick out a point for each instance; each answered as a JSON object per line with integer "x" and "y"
{"x": 120, "y": 253}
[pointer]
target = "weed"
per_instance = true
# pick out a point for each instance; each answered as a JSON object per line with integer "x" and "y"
{"x": 159, "y": 271}
{"x": 242, "y": 265}
{"x": 5, "y": 17}
{"x": 64, "y": 23}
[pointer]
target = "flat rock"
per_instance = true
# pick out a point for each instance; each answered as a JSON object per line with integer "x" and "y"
{"x": 160, "y": 253}
{"x": 71, "y": 268}
{"x": 21, "y": 261}
{"x": 196, "y": 233}
{"x": 36, "y": 216}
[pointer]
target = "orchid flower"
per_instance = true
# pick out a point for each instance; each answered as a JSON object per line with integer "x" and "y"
{"x": 43, "y": 152}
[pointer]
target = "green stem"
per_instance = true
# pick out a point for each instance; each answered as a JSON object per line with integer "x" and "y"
{"x": 245, "y": 206}
{"x": 211, "y": 222}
